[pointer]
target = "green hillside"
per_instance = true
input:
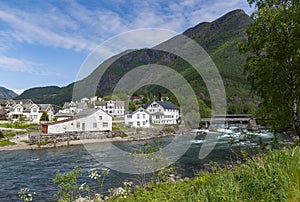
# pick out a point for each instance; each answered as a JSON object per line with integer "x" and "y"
{"x": 49, "y": 94}
{"x": 219, "y": 38}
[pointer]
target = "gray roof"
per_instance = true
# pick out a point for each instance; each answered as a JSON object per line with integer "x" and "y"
{"x": 60, "y": 114}
{"x": 165, "y": 105}
{"x": 44, "y": 107}
{"x": 78, "y": 105}
{"x": 87, "y": 112}
{"x": 140, "y": 109}
{"x": 100, "y": 103}
{"x": 26, "y": 107}
{"x": 119, "y": 103}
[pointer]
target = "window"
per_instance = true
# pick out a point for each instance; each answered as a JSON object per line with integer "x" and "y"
{"x": 95, "y": 125}
{"x": 100, "y": 117}
{"x": 138, "y": 123}
{"x": 144, "y": 123}
{"x": 34, "y": 110}
{"x": 129, "y": 116}
{"x": 138, "y": 116}
{"x": 78, "y": 125}
{"x": 105, "y": 124}
{"x": 144, "y": 116}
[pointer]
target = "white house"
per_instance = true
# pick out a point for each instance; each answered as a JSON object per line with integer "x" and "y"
{"x": 114, "y": 108}
{"x": 49, "y": 109}
{"x": 139, "y": 118}
{"x": 88, "y": 120}
{"x": 60, "y": 116}
{"x": 29, "y": 112}
{"x": 73, "y": 107}
{"x": 162, "y": 112}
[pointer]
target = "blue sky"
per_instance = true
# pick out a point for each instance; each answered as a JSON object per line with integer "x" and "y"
{"x": 45, "y": 42}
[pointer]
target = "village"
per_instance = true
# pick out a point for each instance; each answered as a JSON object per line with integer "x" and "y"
{"x": 89, "y": 115}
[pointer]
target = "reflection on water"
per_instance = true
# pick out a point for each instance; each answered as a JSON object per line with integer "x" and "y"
{"x": 35, "y": 169}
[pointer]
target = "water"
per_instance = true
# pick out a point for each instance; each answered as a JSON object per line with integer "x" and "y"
{"x": 35, "y": 169}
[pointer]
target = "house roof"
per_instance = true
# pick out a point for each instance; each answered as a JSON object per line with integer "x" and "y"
{"x": 145, "y": 106}
{"x": 78, "y": 105}
{"x": 60, "y": 114}
{"x": 44, "y": 107}
{"x": 87, "y": 112}
{"x": 119, "y": 103}
{"x": 140, "y": 109}
{"x": 165, "y": 105}
{"x": 61, "y": 121}
{"x": 100, "y": 103}
{"x": 27, "y": 107}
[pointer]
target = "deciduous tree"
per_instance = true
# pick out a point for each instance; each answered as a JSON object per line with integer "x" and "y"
{"x": 273, "y": 63}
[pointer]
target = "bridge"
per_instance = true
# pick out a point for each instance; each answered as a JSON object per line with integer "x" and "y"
{"x": 230, "y": 118}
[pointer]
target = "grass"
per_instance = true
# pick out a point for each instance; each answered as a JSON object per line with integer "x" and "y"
{"x": 6, "y": 143}
{"x": 8, "y": 133}
{"x": 266, "y": 177}
{"x": 18, "y": 125}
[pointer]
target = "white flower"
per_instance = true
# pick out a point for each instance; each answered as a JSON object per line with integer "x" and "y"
{"x": 93, "y": 174}
{"x": 105, "y": 169}
{"x": 82, "y": 186}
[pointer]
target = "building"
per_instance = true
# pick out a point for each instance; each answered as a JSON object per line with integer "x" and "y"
{"x": 88, "y": 120}
{"x": 73, "y": 107}
{"x": 63, "y": 116}
{"x": 114, "y": 108}
{"x": 29, "y": 112}
{"x": 139, "y": 118}
{"x": 162, "y": 112}
{"x": 135, "y": 98}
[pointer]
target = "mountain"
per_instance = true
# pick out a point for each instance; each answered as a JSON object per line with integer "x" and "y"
{"x": 219, "y": 38}
{"x": 48, "y": 94}
{"x": 7, "y": 94}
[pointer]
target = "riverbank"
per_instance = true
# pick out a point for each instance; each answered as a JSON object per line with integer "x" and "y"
{"x": 20, "y": 142}
{"x": 274, "y": 176}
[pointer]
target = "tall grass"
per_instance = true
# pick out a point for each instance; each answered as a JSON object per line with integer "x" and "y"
{"x": 265, "y": 177}
{"x": 18, "y": 125}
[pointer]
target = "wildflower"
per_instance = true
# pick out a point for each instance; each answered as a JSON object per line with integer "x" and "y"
{"x": 81, "y": 187}
{"x": 105, "y": 169}
{"x": 93, "y": 174}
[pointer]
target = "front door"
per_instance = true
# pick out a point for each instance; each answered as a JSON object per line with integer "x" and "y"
{"x": 83, "y": 126}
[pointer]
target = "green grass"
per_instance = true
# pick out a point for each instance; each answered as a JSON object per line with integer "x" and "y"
{"x": 8, "y": 133}
{"x": 18, "y": 125}
{"x": 6, "y": 143}
{"x": 271, "y": 177}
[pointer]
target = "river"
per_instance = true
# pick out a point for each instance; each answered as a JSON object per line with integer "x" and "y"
{"x": 35, "y": 169}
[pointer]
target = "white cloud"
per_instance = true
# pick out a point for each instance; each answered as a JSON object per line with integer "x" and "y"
{"x": 21, "y": 65}
{"x": 17, "y": 65}
{"x": 79, "y": 27}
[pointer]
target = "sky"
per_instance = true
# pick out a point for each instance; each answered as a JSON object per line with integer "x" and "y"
{"x": 44, "y": 43}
